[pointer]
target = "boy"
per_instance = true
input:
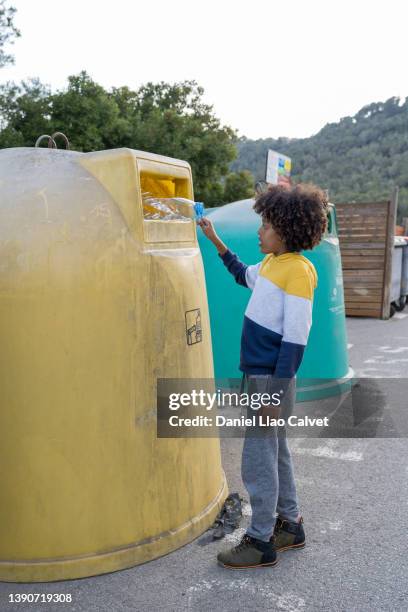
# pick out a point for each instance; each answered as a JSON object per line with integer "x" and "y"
{"x": 274, "y": 335}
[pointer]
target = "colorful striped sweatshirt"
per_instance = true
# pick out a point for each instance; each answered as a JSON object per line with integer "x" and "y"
{"x": 278, "y": 317}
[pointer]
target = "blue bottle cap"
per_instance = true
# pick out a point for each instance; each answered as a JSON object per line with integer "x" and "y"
{"x": 199, "y": 209}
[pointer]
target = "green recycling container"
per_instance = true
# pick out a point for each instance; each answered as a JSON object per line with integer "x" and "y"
{"x": 324, "y": 370}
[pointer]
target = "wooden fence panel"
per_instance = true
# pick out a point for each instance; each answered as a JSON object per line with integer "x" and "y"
{"x": 366, "y": 235}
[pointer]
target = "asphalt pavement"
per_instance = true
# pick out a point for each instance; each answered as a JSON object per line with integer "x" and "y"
{"x": 353, "y": 495}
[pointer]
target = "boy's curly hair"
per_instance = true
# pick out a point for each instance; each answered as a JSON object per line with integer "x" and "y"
{"x": 298, "y": 214}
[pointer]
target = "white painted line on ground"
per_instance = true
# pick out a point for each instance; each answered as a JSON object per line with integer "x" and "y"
{"x": 400, "y": 315}
{"x": 372, "y": 372}
{"x": 381, "y": 361}
{"x": 289, "y": 602}
{"x": 335, "y": 525}
{"x": 400, "y": 349}
{"x": 329, "y": 453}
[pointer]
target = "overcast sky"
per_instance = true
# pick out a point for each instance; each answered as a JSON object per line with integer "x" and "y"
{"x": 269, "y": 68}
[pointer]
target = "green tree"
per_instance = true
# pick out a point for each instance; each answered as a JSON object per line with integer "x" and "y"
{"x": 88, "y": 115}
{"x": 173, "y": 120}
{"x": 168, "y": 119}
{"x": 24, "y": 113}
{"x": 238, "y": 186}
{"x": 8, "y": 31}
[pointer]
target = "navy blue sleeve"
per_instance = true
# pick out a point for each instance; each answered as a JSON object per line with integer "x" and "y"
{"x": 235, "y": 266}
{"x": 289, "y": 359}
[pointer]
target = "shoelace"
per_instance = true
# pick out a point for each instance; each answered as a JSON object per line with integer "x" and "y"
{"x": 279, "y": 523}
{"x": 244, "y": 543}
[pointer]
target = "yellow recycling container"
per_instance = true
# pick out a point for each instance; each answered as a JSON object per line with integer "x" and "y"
{"x": 95, "y": 304}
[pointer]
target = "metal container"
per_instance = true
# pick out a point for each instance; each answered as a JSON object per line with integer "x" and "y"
{"x": 396, "y": 277}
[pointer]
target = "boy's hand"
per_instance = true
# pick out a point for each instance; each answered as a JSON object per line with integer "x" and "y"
{"x": 208, "y": 228}
{"x": 209, "y": 231}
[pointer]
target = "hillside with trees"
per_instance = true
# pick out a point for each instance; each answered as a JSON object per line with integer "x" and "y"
{"x": 360, "y": 158}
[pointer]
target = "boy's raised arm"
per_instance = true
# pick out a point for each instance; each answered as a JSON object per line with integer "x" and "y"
{"x": 209, "y": 231}
{"x": 235, "y": 266}
{"x": 243, "y": 274}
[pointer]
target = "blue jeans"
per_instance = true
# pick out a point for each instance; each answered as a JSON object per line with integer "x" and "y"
{"x": 267, "y": 470}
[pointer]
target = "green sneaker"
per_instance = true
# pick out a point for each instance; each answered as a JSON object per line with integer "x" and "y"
{"x": 249, "y": 553}
{"x": 288, "y": 535}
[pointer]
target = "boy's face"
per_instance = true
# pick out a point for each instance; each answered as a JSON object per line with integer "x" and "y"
{"x": 269, "y": 240}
